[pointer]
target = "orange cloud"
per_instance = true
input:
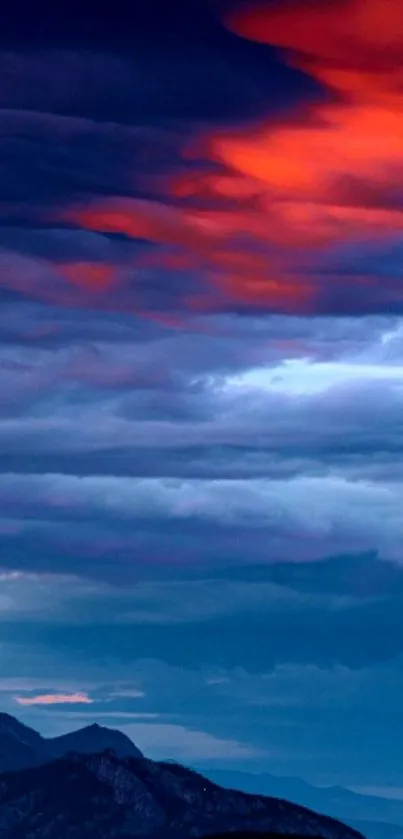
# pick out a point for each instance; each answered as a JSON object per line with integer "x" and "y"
{"x": 324, "y": 174}
{"x": 55, "y": 699}
{"x": 307, "y": 172}
{"x": 353, "y": 46}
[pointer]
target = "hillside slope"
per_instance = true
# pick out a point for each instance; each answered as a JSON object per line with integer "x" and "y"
{"x": 104, "y": 796}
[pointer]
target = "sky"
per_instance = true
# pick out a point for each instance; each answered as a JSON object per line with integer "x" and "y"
{"x": 201, "y": 379}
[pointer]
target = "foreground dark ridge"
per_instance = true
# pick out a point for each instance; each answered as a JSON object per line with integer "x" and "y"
{"x": 108, "y": 797}
{"x": 245, "y": 834}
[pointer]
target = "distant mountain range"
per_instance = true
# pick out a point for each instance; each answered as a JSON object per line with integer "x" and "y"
{"x": 375, "y": 817}
{"x": 112, "y": 792}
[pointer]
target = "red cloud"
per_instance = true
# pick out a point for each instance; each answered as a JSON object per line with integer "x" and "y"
{"x": 353, "y": 46}
{"x": 353, "y": 32}
{"x": 324, "y": 175}
{"x": 208, "y": 242}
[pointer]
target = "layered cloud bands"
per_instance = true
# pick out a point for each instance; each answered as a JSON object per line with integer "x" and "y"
{"x": 201, "y": 379}
{"x": 273, "y": 213}
{"x": 251, "y": 212}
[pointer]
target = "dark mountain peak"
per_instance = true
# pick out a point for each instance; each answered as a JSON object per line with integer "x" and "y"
{"x": 21, "y": 746}
{"x": 93, "y": 739}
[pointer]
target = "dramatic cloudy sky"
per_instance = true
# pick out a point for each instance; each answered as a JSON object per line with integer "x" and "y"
{"x": 201, "y": 379}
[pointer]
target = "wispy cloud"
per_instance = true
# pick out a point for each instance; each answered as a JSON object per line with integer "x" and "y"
{"x": 55, "y": 699}
{"x": 176, "y": 741}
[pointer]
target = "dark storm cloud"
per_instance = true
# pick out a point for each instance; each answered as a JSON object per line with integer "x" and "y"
{"x": 181, "y": 81}
{"x": 48, "y": 159}
{"x": 310, "y": 678}
{"x": 151, "y": 61}
{"x": 304, "y": 628}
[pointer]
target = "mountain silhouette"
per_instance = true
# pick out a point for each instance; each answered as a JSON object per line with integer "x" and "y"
{"x": 104, "y": 796}
{"x": 22, "y": 747}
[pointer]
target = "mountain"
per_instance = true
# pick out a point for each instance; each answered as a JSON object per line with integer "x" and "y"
{"x": 18, "y": 743}
{"x": 104, "y": 796}
{"x": 244, "y": 834}
{"x": 377, "y": 818}
{"x": 22, "y": 747}
{"x": 91, "y": 740}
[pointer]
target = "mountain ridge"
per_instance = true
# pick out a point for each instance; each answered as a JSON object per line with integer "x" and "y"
{"x": 23, "y": 748}
{"x": 100, "y": 796}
